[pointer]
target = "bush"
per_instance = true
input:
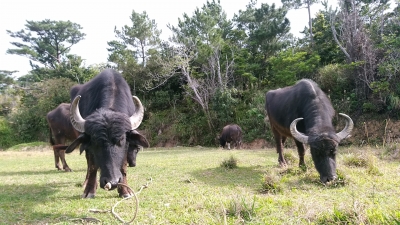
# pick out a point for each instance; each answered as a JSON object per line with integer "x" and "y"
{"x": 230, "y": 163}
{"x": 29, "y": 122}
{"x": 8, "y": 137}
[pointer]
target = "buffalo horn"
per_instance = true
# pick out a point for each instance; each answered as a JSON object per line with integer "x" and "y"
{"x": 76, "y": 119}
{"x": 347, "y": 129}
{"x": 137, "y": 116}
{"x": 296, "y": 134}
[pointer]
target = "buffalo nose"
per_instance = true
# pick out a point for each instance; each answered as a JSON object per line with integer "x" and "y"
{"x": 327, "y": 179}
{"x": 107, "y": 184}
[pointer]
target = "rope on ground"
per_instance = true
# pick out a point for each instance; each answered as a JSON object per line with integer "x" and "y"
{"x": 124, "y": 199}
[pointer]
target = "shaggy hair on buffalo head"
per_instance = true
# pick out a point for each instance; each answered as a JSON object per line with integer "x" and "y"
{"x": 106, "y": 125}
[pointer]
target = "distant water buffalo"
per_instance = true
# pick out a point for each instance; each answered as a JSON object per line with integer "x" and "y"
{"x": 61, "y": 130}
{"x": 304, "y": 112}
{"x": 231, "y": 133}
{"x": 104, "y": 112}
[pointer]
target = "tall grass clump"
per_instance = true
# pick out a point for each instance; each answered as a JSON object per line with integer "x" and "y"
{"x": 270, "y": 183}
{"x": 230, "y": 163}
{"x": 339, "y": 216}
{"x": 241, "y": 209}
{"x": 366, "y": 160}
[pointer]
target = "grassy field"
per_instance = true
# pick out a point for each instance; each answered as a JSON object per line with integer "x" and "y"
{"x": 197, "y": 186}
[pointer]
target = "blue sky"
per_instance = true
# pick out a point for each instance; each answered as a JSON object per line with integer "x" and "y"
{"x": 98, "y": 19}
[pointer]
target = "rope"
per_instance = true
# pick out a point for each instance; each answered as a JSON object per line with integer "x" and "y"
{"x": 136, "y": 208}
{"x": 124, "y": 199}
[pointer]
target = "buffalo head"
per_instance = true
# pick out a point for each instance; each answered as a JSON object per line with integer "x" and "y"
{"x": 323, "y": 147}
{"x": 110, "y": 138}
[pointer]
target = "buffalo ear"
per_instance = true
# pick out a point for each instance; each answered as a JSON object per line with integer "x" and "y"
{"x": 135, "y": 138}
{"x": 75, "y": 143}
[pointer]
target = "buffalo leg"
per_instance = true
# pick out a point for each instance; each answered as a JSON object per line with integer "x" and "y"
{"x": 59, "y": 153}
{"x": 279, "y": 141}
{"x": 62, "y": 157}
{"x": 56, "y": 158}
{"x": 122, "y": 190}
{"x": 90, "y": 183}
{"x": 301, "y": 150}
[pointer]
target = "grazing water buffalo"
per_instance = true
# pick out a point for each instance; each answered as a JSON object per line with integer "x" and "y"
{"x": 61, "y": 130}
{"x": 104, "y": 112}
{"x": 304, "y": 112}
{"x": 231, "y": 133}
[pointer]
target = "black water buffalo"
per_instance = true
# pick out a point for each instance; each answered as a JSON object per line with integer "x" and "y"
{"x": 306, "y": 105}
{"x": 61, "y": 130}
{"x": 231, "y": 133}
{"x": 104, "y": 112}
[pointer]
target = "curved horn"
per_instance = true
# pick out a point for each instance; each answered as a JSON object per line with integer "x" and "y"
{"x": 296, "y": 134}
{"x": 347, "y": 129}
{"x": 137, "y": 116}
{"x": 76, "y": 119}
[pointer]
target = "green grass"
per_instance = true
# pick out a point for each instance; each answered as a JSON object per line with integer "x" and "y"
{"x": 189, "y": 186}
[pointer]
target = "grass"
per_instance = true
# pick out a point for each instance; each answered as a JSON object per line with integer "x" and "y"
{"x": 190, "y": 186}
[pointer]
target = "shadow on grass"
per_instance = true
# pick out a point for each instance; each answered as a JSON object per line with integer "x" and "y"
{"x": 19, "y": 203}
{"x": 36, "y": 172}
{"x": 241, "y": 176}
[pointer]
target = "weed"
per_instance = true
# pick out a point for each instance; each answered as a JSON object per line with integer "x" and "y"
{"x": 365, "y": 160}
{"x": 392, "y": 151}
{"x": 271, "y": 184}
{"x": 290, "y": 157}
{"x": 230, "y": 163}
{"x": 240, "y": 209}
{"x": 338, "y": 216}
{"x": 340, "y": 181}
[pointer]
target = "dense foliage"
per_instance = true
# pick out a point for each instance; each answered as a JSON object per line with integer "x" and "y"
{"x": 215, "y": 70}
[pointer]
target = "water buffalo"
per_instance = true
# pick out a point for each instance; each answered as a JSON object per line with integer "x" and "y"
{"x": 61, "y": 130}
{"x": 231, "y": 133}
{"x": 304, "y": 112}
{"x": 104, "y": 112}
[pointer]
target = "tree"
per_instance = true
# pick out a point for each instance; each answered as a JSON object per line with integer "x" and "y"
{"x": 298, "y": 4}
{"x": 46, "y": 42}
{"x": 140, "y": 38}
{"x": 6, "y": 79}
{"x": 207, "y": 33}
{"x": 351, "y": 34}
{"x": 204, "y": 56}
{"x": 136, "y": 43}
{"x": 288, "y": 67}
{"x": 8, "y": 96}
{"x": 267, "y": 30}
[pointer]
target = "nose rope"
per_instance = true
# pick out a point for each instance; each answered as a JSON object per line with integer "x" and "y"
{"x": 127, "y": 198}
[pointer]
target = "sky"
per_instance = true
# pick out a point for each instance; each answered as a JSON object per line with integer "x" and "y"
{"x": 98, "y": 19}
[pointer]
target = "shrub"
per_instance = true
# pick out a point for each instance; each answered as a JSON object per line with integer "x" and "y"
{"x": 271, "y": 184}
{"x": 230, "y": 163}
{"x": 7, "y": 134}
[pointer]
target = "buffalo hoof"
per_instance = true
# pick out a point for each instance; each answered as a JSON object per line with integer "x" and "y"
{"x": 282, "y": 164}
{"x": 126, "y": 195}
{"x": 67, "y": 170}
{"x": 89, "y": 195}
